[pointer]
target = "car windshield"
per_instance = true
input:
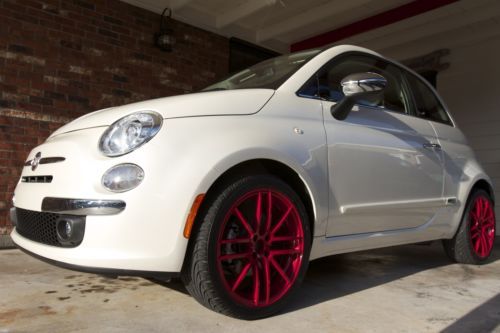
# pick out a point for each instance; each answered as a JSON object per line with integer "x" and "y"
{"x": 270, "y": 73}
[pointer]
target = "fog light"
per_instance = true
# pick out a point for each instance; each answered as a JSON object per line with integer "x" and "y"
{"x": 123, "y": 177}
{"x": 65, "y": 229}
{"x": 70, "y": 230}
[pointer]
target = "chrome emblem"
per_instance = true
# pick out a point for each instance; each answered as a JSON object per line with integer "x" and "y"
{"x": 36, "y": 161}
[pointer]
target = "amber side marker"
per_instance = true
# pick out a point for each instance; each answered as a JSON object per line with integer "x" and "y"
{"x": 192, "y": 214}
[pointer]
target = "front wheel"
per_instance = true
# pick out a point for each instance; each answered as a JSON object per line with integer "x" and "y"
{"x": 473, "y": 242}
{"x": 250, "y": 250}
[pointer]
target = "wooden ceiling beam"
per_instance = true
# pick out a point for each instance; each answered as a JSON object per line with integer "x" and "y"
{"x": 244, "y": 10}
{"x": 373, "y": 22}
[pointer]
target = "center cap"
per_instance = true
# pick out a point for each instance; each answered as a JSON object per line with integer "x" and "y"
{"x": 260, "y": 245}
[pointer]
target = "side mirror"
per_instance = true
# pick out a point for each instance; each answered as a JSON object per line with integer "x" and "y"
{"x": 358, "y": 87}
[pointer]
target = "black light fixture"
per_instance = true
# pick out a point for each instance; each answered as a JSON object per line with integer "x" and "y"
{"x": 164, "y": 39}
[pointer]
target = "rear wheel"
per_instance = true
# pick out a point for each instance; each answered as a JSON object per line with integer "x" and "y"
{"x": 251, "y": 248}
{"x": 475, "y": 237}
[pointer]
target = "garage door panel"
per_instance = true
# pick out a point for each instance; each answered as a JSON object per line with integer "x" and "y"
{"x": 488, "y": 156}
{"x": 492, "y": 169}
{"x": 485, "y": 142}
{"x": 480, "y": 128}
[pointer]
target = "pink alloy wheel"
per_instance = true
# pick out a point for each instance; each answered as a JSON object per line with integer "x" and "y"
{"x": 260, "y": 247}
{"x": 482, "y": 226}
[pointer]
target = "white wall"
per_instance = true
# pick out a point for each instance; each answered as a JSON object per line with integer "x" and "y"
{"x": 471, "y": 88}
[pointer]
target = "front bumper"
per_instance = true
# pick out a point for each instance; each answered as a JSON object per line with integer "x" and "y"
{"x": 105, "y": 271}
{"x": 82, "y": 206}
{"x": 144, "y": 236}
{"x": 61, "y": 221}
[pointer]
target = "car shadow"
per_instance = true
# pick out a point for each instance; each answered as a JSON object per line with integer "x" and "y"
{"x": 340, "y": 275}
{"x": 484, "y": 318}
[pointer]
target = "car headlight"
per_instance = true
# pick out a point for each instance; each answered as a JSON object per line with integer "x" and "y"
{"x": 129, "y": 133}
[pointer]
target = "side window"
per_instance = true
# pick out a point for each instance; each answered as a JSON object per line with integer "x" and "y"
{"x": 426, "y": 103}
{"x": 326, "y": 83}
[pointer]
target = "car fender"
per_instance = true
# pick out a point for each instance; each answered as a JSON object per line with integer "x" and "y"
{"x": 199, "y": 163}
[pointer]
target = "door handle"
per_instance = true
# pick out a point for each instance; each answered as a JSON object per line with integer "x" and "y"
{"x": 430, "y": 145}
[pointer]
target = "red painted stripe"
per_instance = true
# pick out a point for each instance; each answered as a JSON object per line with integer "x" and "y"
{"x": 373, "y": 22}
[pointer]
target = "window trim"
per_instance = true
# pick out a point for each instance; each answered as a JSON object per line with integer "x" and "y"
{"x": 405, "y": 87}
{"x": 433, "y": 92}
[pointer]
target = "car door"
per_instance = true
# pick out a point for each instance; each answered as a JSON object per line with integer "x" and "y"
{"x": 454, "y": 145}
{"x": 385, "y": 172}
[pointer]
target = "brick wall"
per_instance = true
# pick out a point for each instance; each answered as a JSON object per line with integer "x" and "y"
{"x": 60, "y": 59}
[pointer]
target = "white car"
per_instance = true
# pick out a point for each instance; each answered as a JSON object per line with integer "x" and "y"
{"x": 236, "y": 188}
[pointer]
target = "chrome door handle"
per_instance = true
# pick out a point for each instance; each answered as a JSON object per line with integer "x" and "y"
{"x": 432, "y": 145}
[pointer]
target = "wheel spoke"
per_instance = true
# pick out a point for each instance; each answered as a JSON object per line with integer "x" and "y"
{"x": 233, "y": 256}
{"x": 475, "y": 234}
{"x": 478, "y": 208}
{"x": 279, "y": 270}
{"x": 269, "y": 211}
{"x": 490, "y": 219}
{"x": 235, "y": 241}
{"x": 473, "y": 216}
{"x": 490, "y": 215}
{"x": 491, "y": 240}
{"x": 483, "y": 245}
{"x": 485, "y": 210}
{"x": 473, "y": 227}
{"x": 241, "y": 276}
{"x": 486, "y": 248}
{"x": 244, "y": 222}
{"x": 488, "y": 224}
{"x": 267, "y": 279}
{"x": 258, "y": 212}
{"x": 282, "y": 220}
{"x": 285, "y": 239}
{"x": 285, "y": 252}
{"x": 477, "y": 244}
{"x": 256, "y": 283}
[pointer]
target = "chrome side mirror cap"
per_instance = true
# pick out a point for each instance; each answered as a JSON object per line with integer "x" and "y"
{"x": 363, "y": 84}
{"x": 356, "y": 87}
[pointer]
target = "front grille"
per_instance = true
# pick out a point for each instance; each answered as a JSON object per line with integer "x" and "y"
{"x": 40, "y": 227}
{"x": 37, "y": 179}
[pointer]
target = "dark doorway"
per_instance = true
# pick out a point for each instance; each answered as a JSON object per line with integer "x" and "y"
{"x": 243, "y": 54}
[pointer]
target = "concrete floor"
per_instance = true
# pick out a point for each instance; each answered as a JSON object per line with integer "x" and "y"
{"x": 403, "y": 289}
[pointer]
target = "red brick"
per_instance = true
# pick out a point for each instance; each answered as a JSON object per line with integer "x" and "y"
{"x": 109, "y": 39}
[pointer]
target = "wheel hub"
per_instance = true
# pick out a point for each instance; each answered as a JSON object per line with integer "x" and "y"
{"x": 261, "y": 246}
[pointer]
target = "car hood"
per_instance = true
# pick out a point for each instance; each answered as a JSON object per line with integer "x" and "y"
{"x": 212, "y": 103}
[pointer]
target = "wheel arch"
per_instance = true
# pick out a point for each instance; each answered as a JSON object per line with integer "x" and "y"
{"x": 483, "y": 184}
{"x": 464, "y": 193}
{"x": 271, "y": 167}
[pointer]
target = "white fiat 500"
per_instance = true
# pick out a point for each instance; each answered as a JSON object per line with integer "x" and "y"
{"x": 236, "y": 188}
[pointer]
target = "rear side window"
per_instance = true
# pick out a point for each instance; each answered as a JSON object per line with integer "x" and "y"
{"x": 427, "y": 105}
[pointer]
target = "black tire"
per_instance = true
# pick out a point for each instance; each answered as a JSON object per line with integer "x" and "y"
{"x": 460, "y": 248}
{"x": 200, "y": 274}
